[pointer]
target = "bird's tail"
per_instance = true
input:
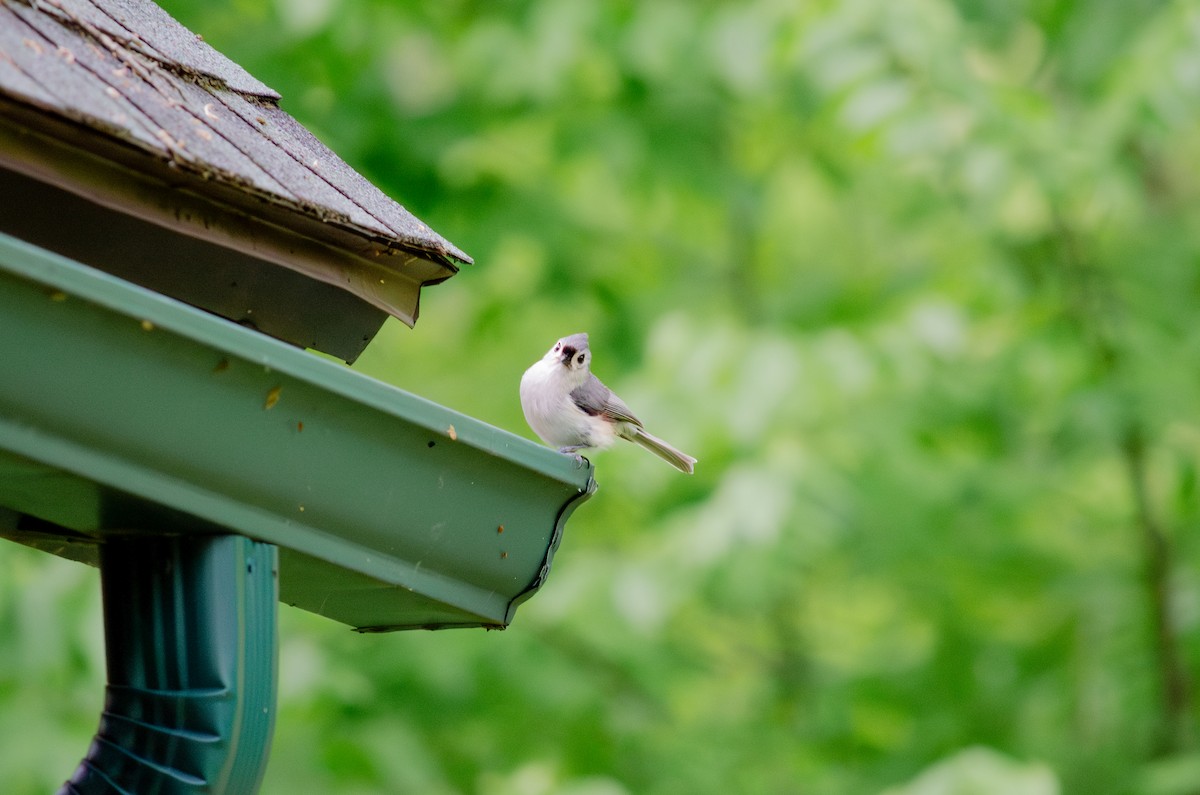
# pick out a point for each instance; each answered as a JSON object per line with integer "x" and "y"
{"x": 681, "y": 461}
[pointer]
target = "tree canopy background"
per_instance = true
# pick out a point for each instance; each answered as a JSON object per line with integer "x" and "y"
{"x": 917, "y": 284}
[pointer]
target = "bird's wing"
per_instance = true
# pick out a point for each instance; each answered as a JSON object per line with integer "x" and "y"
{"x": 594, "y": 398}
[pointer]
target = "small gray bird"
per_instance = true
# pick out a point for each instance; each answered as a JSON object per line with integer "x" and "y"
{"x": 570, "y": 409}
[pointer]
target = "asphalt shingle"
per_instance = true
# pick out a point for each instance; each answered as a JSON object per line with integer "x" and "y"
{"x": 126, "y": 70}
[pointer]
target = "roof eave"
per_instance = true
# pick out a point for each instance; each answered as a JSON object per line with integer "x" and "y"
{"x": 381, "y": 272}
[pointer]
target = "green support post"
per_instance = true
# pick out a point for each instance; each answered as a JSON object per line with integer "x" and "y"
{"x": 190, "y": 626}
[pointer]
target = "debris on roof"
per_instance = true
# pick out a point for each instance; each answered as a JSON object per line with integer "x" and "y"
{"x": 126, "y": 85}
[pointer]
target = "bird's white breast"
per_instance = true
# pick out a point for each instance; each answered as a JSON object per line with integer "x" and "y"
{"x": 546, "y": 400}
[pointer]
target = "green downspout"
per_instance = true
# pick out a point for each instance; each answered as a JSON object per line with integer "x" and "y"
{"x": 191, "y": 652}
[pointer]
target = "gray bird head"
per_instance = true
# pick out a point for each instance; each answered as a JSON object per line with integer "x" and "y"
{"x": 573, "y": 352}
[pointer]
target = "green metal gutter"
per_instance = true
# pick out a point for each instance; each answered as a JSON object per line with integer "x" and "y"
{"x": 125, "y": 412}
{"x": 210, "y": 472}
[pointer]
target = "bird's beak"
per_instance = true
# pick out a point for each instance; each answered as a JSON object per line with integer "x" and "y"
{"x": 566, "y": 355}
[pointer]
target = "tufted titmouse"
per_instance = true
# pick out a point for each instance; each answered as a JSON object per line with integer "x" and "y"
{"x": 570, "y": 409}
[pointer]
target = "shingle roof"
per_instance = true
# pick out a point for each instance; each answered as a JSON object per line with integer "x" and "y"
{"x": 125, "y": 73}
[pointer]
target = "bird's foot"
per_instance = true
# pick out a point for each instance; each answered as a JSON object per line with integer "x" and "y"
{"x": 580, "y": 461}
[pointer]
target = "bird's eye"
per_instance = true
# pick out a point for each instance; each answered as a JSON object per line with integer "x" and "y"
{"x": 580, "y": 359}
{"x": 557, "y": 345}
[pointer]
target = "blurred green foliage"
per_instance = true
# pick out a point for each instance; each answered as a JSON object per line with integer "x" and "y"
{"x": 917, "y": 282}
